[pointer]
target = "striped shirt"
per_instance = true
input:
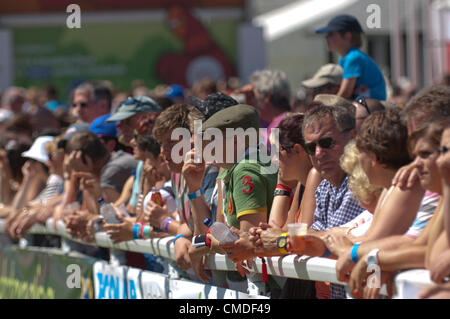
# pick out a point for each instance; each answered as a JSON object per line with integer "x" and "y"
{"x": 335, "y": 206}
{"x": 53, "y": 187}
{"x": 426, "y": 210}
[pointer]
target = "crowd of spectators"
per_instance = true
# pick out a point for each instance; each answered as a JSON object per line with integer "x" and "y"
{"x": 368, "y": 173}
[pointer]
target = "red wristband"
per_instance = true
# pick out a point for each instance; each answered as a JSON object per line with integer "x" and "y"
{"x": 208, "y": 241}
{"x": 142, "y": 230}
{"x": 286, "y": 188}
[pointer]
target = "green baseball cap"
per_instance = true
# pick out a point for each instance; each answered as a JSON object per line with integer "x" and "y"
{"x": 237, "y": 116}
{"x": 133, "y": 105}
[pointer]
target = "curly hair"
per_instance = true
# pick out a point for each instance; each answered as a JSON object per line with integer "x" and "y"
{"x": 358, "y": 182}
{"x": 384, "y": 134}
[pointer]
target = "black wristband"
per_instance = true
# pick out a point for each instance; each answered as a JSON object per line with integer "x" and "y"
{"x": 281, "y": 192}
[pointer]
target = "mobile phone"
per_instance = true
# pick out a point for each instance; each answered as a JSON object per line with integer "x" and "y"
{"x": 199, "y": 241}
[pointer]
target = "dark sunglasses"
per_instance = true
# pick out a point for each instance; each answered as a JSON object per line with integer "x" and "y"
{"x": 442, "y": 150}
{"x": 362, "y": 100}
{"x": 82, "y": 104}
{"x": 326, "y": 142}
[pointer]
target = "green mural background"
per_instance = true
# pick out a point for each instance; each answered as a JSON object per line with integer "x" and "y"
{"x": 120, "y": 53}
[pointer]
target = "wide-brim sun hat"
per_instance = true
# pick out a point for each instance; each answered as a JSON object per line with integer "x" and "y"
{"x": 37, "y": 150}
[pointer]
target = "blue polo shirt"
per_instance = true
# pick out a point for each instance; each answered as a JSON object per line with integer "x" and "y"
{"x": 370, "y": 82}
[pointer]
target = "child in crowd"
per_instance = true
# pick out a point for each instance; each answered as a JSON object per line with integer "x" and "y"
{"x": 361, "y": 77}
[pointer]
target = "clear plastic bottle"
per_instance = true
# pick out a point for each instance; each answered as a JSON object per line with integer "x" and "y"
{"x": 221, "y": 232}
{"x": 108, "y": 212}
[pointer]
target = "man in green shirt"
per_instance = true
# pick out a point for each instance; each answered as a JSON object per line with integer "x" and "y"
{"x": 247, "y": 183}
{"x": 248, "y": 192}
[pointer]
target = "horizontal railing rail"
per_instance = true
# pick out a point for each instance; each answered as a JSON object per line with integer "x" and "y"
{"x": 290, "y": 266}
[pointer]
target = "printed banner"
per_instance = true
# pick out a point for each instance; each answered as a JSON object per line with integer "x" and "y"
{"x": 183, "y": 289}
{"x": 110, "y": 281}
{"x": 154, "y": 285}
{"x": 133, "y": 287}
{"x": 35, "y": 273}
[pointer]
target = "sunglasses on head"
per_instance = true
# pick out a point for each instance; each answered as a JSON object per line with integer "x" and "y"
{"x": 326, "y": 142}
{"x": 442, "y": 150}
{"x": 362, "y": 100}
{"x": 82, "y": 104}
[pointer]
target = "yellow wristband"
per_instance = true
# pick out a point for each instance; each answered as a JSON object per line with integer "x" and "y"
{"x": 282, "y": 250}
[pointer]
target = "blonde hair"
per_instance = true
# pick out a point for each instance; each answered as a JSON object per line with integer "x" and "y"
{"x": 358, "y": 182}
{"x": 52, "y": 146}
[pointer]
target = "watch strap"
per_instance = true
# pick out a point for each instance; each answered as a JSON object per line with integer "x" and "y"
{"x": 283, "y": 250}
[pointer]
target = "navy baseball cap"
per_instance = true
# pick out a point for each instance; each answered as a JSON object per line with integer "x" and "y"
{"x": 343, "y": 22}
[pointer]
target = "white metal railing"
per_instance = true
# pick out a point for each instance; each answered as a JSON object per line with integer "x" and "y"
{"x": 290, "y": 266}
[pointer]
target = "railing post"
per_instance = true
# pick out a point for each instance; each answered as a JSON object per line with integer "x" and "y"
{"x": 117, "y": 257}
{"x": 23, "y": 243}
{"x": 65, "y": 246}
{"x": 255, "y": 283}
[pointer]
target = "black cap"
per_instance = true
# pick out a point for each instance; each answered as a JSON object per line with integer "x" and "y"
{"x": 343, "y": 22}
{"x": 213, "y": 103}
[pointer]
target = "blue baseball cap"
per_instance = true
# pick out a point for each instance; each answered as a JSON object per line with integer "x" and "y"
{"x": 175, "y": 91}
{"x": 103, "y": 128}
{"x": 343, "y": 22}
{"x": 133, "y": 105}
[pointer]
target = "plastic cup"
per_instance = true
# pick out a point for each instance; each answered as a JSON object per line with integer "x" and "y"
{"x": 297, "y": 233}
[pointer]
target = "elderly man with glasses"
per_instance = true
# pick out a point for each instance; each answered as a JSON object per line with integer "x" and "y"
{"x": 90, "y": 102}
{"x": 327, "y": 129}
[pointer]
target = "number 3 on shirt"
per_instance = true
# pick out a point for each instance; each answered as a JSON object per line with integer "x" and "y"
{"x": 247, "y": 181}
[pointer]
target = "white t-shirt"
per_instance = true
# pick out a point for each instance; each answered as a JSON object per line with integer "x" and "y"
{"x": 361, "y": 223}
{"x": 167, "y": 198}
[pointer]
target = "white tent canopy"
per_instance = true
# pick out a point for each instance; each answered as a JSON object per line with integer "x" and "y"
{"x": 296, "y": 15}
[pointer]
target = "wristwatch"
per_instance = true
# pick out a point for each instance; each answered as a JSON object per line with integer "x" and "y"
{"x": 372, "y": 257}
{"x": 282, "y": 243}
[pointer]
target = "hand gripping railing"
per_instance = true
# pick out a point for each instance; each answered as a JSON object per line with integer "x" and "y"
{"x": 290, "y": 266}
